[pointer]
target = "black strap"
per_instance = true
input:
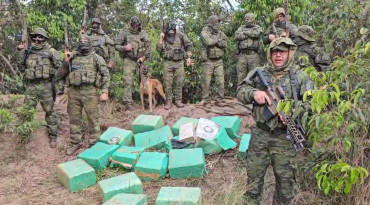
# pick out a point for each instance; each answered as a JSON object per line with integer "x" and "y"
{"x": 294, "y": 84}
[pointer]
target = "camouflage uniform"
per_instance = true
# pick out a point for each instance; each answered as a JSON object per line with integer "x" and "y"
{"x": 268, "y": 144}
{"x": 308, "y": 54}
{"x": 214, "y": 43}
{"x": 101, "y": 42}
{"x": 249, "y": 47}
{"x": 277, "y": 28}
{"x": 88, "y": 72}
{"x": 41, "y": 62}
{"x": 174, "y": 49}
{"x": 141, "y": 48}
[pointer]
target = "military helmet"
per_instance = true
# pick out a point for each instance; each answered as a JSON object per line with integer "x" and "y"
{"x": 213, "y": 19}
{"x": 84, "y": 36}
{"x": 96, "y": 20}
{"x": 171, "y": 25}
{"x": 306, "y": 32}
{"x": 135, "y": 21}
{"x": 279, "y": 11}
{"x": 282, "y": 44}
{"x": 251, "y": 16}
{"x": 40, "y": 31}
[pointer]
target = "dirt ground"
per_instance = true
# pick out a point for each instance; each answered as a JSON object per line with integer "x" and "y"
{"x": 28, "y": 172}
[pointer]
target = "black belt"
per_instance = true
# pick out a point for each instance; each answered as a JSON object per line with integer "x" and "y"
{"x": 248, "y": 52}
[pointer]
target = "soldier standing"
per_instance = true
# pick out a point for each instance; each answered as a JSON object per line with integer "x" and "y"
{"x": 281, "y": 27}
{"x": 307, "y": 49}
{"x": 134, "y": 46}
{"x": 41, "y": 62}
{"x": 249, "y": 46}
{"x": 85, "y": 73}
{"x": 214, "y": 43}
{"x": 174, "y": 47}
{"x": 269, "y": 144}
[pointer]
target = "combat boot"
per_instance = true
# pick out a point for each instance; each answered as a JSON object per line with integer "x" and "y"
{"x": 73, "y": 148}
{"x": 53, "y": 142}
{"x": 168, "y": 105}
{"x": 179, "y": 104}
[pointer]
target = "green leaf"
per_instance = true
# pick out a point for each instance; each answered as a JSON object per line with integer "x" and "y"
{"x": 287, "y": 107}
{"x": 339, "y": 185}
{"x": 347, "y": 144}
{"x": 354, "y": 175}
{"x": 345, "y": 168}
{"x": 347, "y": 189}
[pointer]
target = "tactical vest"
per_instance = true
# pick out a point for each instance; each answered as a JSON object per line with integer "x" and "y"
{"x": 176, "y": 50}
{"x": 39, "y": 65}
{"x": 84, "y": 71}
{"x": 138, "y": 43}
{"x": 249, "y": 43}
{"x": 99, "y": 45}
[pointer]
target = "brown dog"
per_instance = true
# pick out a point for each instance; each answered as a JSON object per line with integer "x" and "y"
{"x": 148, "y": 86}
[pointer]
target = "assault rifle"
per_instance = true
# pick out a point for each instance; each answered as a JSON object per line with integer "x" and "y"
{"x": 83, "y": 27}
{"x": 296, "y": 134}
{"x": 67, "y": 53}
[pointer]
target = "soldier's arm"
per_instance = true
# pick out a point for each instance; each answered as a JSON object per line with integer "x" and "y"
{"x": 110, "y": 45}
{"x": 246, "y": 89}
{"x": 56, "y": 58}
{"x": 266, "y": 36}
{"x": 187, "y": 46}
{"x": 104, "y": 72}
{"x": 207, "y": 39}
{"x": 120, "y": 42}
{"x": 239, "y": 34}
{"x": 159, "y": 46}
{"x": 20, "y": 55}
{"x": 148, "y": 45}
{"x": 305, "y": 82}
{"x": 222, "y": 41}
{"x": 254, "y": 32}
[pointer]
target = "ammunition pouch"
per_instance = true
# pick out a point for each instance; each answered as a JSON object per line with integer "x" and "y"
{"x": 215, "y": 52}
{"x": 268, "y": 112}
{"x": 174, "y": 54}
{"x": 39, "y": 66}
{"x": 248, "y": 44}
{"x": 80, "y": 77}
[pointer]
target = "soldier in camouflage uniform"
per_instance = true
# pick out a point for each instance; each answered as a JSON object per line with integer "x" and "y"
{"x": 84, "y": 75}
{"x": 281, "y": 27}
{"x": 41, "y": 63}
{"x": 134, "y": 46}
{"x": 308, "y": 54}
{"x": 174, "y": 47}
{"x": 249, "y": 46}
{"x": 214, "y": 43}
{"x": 269, "y": 144}
{"x": 101, "y": 42}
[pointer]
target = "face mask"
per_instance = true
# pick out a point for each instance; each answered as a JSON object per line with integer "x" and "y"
{"x": 283, "y": 24}
{"x": 249, "y": 24}
{"x": 83, "y": 48}
{"x": 171, "y": 32}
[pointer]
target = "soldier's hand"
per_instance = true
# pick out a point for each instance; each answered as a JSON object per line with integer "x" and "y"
{"x": 129, "y": 47}
{"x": 162, "y": 35}
{"x": 141, "y": 59}
{"x": 104, "y": 97}
{"x": 110, "y": 65}
{"x": 21, "y": 47}
{"x": 282, "y": 119}
{"x": 67, "y": 56}
{"x": 272, "y": 37}
{"x": 188, "y": 61}
{"x": 261, "y": 97}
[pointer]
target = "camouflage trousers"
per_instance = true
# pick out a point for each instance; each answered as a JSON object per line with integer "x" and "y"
{"x": 130, "y": 67}
{"x": 174, "y": 75}
{"x": 266, "y": 148}
{"x": 246, "y": 63}
{"x": 83, "y": 98}
{"x": 216, "y": 68}
{"x": 42, "y": 92}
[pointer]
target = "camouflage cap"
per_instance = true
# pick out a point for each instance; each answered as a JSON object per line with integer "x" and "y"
{"x": 251, "y": 16}
{"x": 306, "y": 32}
{"x": 213, "y": 19}
{"x": 84, "y": 36}
{"x": 40, "y": 31}
{"x": 135, "y": 21}
{"x": 96, "y": 20}
{"x": 279, "y": 11}
{"x": 171, "y": 25}
{"x": 282, "y": 44}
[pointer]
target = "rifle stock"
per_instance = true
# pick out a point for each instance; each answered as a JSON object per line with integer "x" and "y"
{"x": 67, "y": 53}
{"x": 296, "y": 134}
